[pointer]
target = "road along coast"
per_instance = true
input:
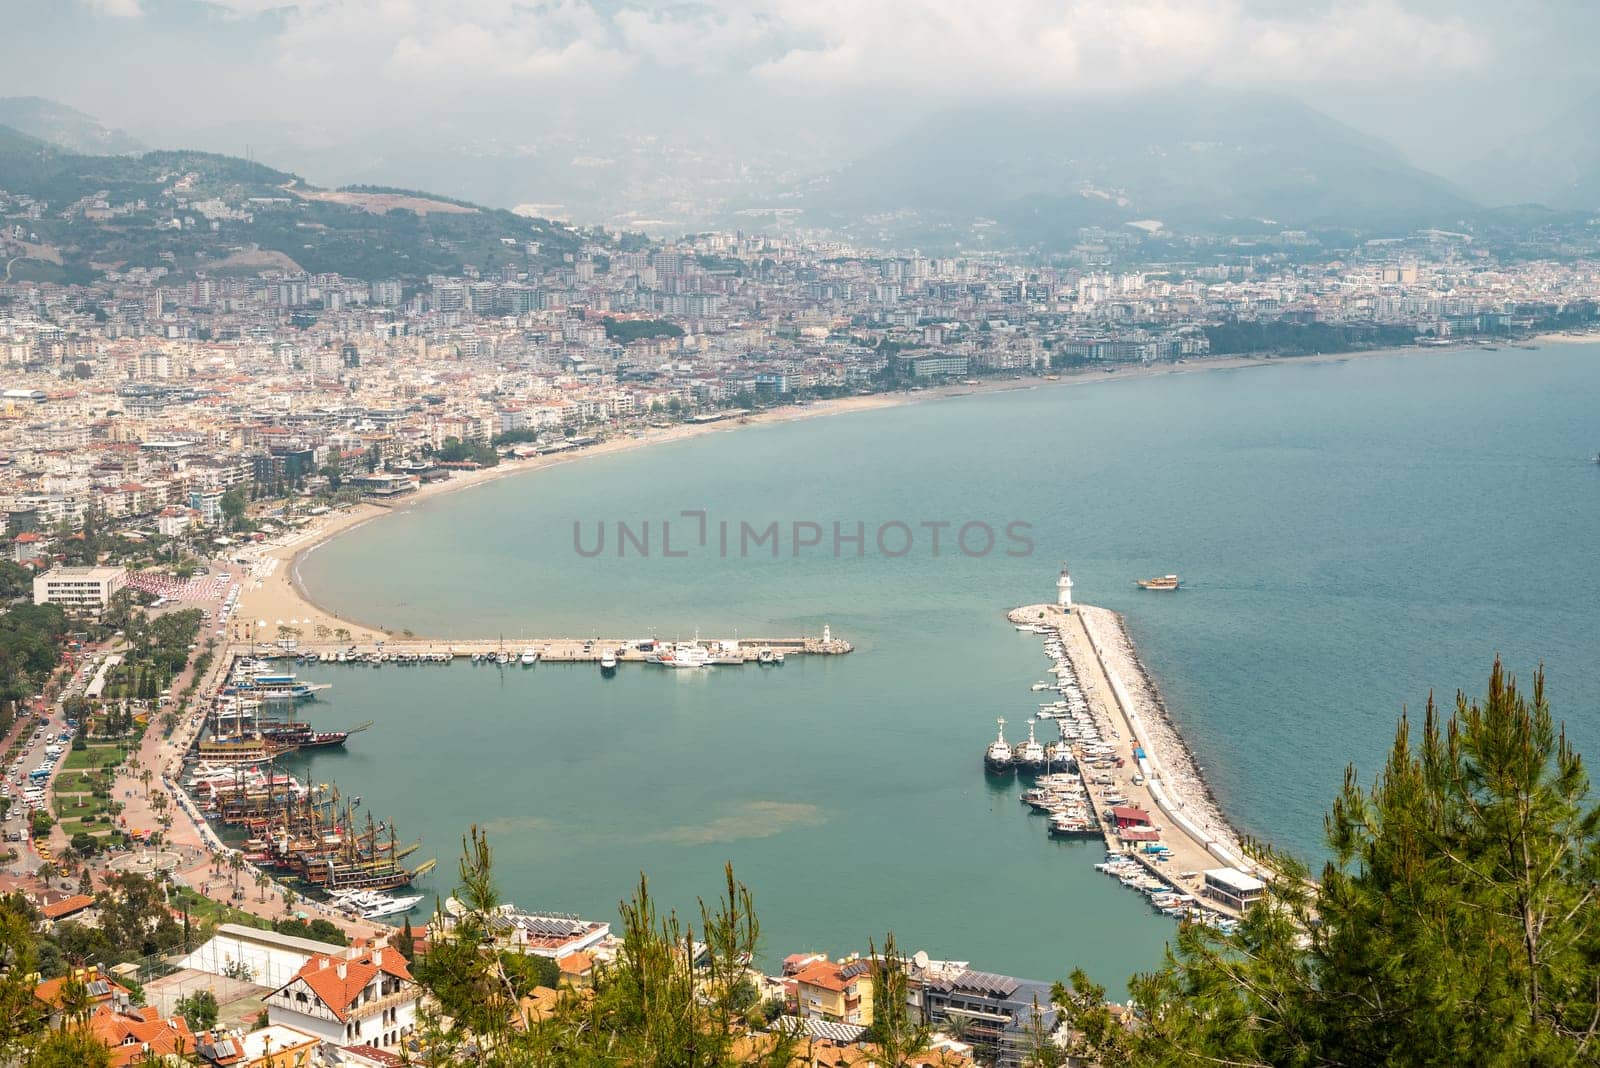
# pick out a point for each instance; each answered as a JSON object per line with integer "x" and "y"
{"x": 275, "y": 591}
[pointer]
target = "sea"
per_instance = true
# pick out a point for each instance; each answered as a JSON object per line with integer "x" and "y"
{"x": 1352, "y": 536}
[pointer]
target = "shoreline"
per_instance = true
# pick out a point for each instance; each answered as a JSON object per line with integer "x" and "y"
{"x": 279, "y": 593}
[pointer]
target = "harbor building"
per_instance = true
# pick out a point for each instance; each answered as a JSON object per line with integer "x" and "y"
{"x": 79, "y": 589}
{"x": 1233, "y": 887}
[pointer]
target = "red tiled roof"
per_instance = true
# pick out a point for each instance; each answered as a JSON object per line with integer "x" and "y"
{"x": 129, "y": 1033}
{"x": 66, "y": 906}
{"x": 322, "y": 974}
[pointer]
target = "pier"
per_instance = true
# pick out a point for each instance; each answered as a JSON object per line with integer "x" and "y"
{"x": 724, "y": 651}
{"x": 1122, "y": 702}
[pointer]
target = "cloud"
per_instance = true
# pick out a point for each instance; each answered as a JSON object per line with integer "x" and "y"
{"x": 121, "y": 9}
{"x": 1063, "y": 45}
{"x": 943, "y": 47}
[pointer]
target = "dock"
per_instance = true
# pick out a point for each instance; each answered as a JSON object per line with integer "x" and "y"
{"x": 727, "y": 651}
{"x": 1189, "y": 830}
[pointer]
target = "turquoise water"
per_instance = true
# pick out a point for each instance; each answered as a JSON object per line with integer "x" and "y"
{"x": 1350, "y": 534}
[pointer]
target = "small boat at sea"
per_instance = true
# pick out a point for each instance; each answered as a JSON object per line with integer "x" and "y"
{"x": 998, "y": 759}
{"x": 1160, "y": 582}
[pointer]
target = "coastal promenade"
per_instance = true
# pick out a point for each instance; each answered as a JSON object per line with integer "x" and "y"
{"x": 1130, "y": 714}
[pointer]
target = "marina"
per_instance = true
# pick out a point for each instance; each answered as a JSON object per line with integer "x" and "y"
{"x": 1105, "y": 775}
{"x": 1282, "y": 659}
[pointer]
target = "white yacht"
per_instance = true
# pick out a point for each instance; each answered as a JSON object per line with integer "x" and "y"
{"x": 683, "y": 655}
{"x": 530, "y": 656}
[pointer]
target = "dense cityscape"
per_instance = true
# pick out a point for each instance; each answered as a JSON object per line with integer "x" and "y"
{"x": 993, "y": 811}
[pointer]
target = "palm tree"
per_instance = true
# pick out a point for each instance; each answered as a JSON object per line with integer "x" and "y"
{"x": 236, "y": 865}
{"x": 263, "y": 880}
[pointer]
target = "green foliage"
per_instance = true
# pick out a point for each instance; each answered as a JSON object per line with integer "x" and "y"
{"x": 1285, "y": 337}
{"x": 1457, "y": 922}
{"x": 318, "y": 929}
{"x": 529, "y": 970}
{"x": 16, "y": 581}
{"x": 70, "y": 1047}
{"x": 626, "y": 330}
{"x": 233, "y": 505}
{"x": 454, "y": 450}
{"x": 199, "y": 1010}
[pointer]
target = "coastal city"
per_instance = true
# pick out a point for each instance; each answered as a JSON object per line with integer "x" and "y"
{"x": 173, "y": 444}
{"x": 895, "y": 534}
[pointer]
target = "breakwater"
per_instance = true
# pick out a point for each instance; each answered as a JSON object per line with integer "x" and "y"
{"x": 1152, "y": 788}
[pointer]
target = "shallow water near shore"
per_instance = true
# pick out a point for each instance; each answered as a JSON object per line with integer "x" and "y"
{"x": 1350, "y": 535}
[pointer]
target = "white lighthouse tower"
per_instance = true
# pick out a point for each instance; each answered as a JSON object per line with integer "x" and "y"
{"x": 1064, "y": 590}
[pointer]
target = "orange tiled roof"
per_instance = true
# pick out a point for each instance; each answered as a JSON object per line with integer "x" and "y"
{"x": 827, "y": 975}
{"x": 66, "y": 906}
{"x": 129, "y": 1033}
{"x": 321, "y": 974}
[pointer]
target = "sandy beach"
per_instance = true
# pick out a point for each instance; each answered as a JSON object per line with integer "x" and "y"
{"x": 276, "y": 596}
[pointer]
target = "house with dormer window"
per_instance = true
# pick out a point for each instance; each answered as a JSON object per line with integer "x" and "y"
{"x": 364, "y": 998}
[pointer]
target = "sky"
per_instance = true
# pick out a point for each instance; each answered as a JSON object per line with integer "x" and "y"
{"x": 1436, "y": 78}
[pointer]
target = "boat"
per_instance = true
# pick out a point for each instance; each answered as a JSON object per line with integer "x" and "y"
{"x": 530, "y": 657}
{"x": 391, "y": 906}
{"x": 1029, "y": 756}
{"x": 764, "y": 655}
{"x": 681, "y": 655}
{"x": 998, "y": 758}
{"x": 301, "y": 736}
{"x": 608, "y": 661}
{"x": 1160, "y": 582}
{"x": 273, "y": 687}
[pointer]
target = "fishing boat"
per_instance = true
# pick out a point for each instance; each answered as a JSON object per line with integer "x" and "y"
{"x": 1160, "y": 582}
{"x": 998, "y": 758}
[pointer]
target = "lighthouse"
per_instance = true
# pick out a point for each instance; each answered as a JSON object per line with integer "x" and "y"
{"x": 1064, "y": 590}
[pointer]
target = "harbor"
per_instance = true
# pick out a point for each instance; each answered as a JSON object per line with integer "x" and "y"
{"x": 1118, "y": 771}
{"x": 694, "y": 652}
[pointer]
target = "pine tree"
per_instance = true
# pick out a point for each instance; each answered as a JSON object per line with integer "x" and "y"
{"x": 1457, "y": 922}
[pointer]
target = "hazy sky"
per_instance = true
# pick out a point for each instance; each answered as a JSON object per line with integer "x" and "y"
{"x": 1436, "y": 77}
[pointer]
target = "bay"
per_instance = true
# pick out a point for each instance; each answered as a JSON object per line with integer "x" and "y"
{"x": 1351, "y": 534}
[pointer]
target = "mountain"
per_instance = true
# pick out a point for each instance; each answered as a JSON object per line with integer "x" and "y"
{"x": 1197, "y": 160}
{"x": 64, "y": 127}
{"x": 1556, "y": 162}
{"x": 191, "y": 211}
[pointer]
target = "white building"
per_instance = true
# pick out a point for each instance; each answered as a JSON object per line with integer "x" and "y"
{"x": 369, "y": 999}
{"x": 79, "y": 589}
{"x": 265, "y": 958}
